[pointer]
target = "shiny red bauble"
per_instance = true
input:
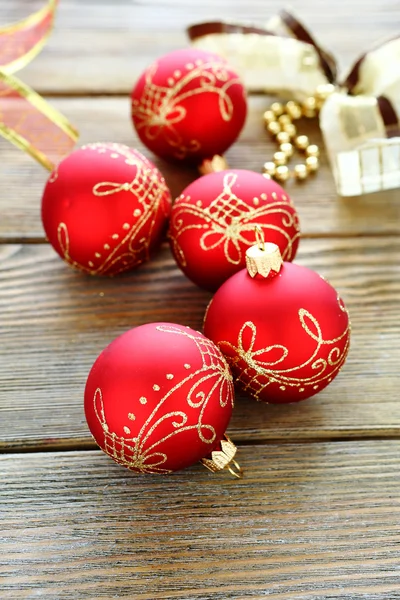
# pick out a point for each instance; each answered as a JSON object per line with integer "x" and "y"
{"x": 285, "y": 336}
{"x": 159, "y": 398}
{"x": 104, "y": 208}
{"x": 188, "y": 105}
{"x": 213, "y": 220}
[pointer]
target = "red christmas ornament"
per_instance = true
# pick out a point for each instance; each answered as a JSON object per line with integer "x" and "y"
{"x": 212, "y": 224}
{"x": 104, "y": 208}
{"x": 159, "y": 398}
{"x": 282, "y": 327}
{"x": 189, "y": 105}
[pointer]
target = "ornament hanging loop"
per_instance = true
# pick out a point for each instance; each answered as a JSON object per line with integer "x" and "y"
{"x": 237, "y": 471}
{"x": 260, "y": 238}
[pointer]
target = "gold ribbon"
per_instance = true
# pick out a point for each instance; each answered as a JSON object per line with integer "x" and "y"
{"x": 26, "y": 119}
{"x": 359, "y": 120}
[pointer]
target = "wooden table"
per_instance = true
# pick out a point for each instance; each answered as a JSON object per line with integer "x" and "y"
{"x": 316, "y": 515}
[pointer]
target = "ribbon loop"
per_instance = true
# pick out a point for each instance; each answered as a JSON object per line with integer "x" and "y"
{"x": 360, "y": 122}
{"x": 26, "y": 119}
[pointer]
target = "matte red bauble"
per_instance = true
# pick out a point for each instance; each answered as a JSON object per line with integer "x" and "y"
{"x": 283, "y": 329}
{"x": 104, "y": 208}
{"x": 188, "y": 105}
{"x": 212, "y": 224}
{"x": 159, "y": 398}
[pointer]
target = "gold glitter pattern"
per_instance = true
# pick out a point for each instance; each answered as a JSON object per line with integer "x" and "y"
{"x": 227, "y": 220}
{"x": 257, "y": 372}
{"x": 160, "y": 107}
{"x": 144, "y": 453}
{"x": 133, "y": 241}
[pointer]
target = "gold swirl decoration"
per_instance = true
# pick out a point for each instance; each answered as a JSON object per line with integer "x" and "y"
{"x": 143, "y": 453}
{"x": 26, "y": 119}
{"x": 259, "y": 372}
{"x": 228, "y": 218}
{"x": 160, "y": 107}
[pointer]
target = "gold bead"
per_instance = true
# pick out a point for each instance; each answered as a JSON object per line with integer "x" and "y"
{"x": 284, "y": 119}
{"x": 309, "y": 107}
{"x": 269, "y": 117}
{"x": 290, "y": 129}
{"x": 280, "y": 158}
{"x": 287, "y": 148}
{"x": 300, "y": 172}
{"x": 274, "y": 128}
{"x": 302, "y": 142}
{"x": 282, "y": 173}
{"x": 269, "y": 168}
{"x": 283, "y": 137}
{"x": 293, "y": 109}
{"x": 312, "y": 164}
{"x": 312, "y": 150}
{"x": 277, "y": 108}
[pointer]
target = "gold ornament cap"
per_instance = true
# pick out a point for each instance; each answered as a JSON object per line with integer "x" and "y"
{"x": 264, "y": 258}
{"x": 224, "y": 459}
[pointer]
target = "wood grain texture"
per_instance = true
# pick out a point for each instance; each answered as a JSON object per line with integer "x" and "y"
{"x": 102, "y": 46}
{"x": 315, "y": 521}
{"x": 55, "y": 321}
{"x": 321, "y": 211}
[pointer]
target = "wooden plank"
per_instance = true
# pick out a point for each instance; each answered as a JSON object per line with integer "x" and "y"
{"x": 56, "y": 321}
{"x": 107, "y": 119}
{"x": 307, "y": 522}
{"x": 103, "y": 46}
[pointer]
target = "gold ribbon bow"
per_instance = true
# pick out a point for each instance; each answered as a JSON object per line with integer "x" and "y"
{"x": 26, "y": 119}
{"x": 359, "y": 119}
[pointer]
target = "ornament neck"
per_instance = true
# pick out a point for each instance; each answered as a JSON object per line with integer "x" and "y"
{"x": 212, "y": 165}
{"x": 223, "y": 458}
{"x": 263, "y": 259}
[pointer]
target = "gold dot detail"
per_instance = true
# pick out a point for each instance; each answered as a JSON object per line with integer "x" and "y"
{"x": 177, "y": 74}
{"x": 199, "y": 203}
{"x": 143, "y": 400}
{"x": 137, "y": 212}
{"x": 115, "y": 236}
{"x": 315, "y": 387}
{"x": 131, "y": 416}
{"x": 97, "y": 255}
{"x": 127, "y": 430}
{"x": 170, "y": 81}
{"x": 189, "y": 66}
{"x": 90, "y": 264}
{"x": 169, "y": 376}
{"x": 114, "y": 155}
{"x": 256, "y": 201}
{"x": 125, "y": 226}
{"x": 187, "y": 366}
{"x": 301, "y": 390}
{"x": 156, "y": 388}
{"x": 274, "y": 195}
{"x": 106, "y": 247}
{"x": 282, "y": 387}
{"x": 263, "y": 196}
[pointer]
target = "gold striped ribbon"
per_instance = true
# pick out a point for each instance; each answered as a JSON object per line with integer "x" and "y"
{"x": 26, "y": 119}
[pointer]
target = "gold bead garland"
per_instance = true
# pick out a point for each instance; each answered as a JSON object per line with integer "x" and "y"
{"x": 278, "y": 121}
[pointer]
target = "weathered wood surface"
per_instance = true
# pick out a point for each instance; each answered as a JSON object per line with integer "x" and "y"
{"x": 316, "y": 516}
{"x": 310, "y": 521}
{"x": 55, "y": 321}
